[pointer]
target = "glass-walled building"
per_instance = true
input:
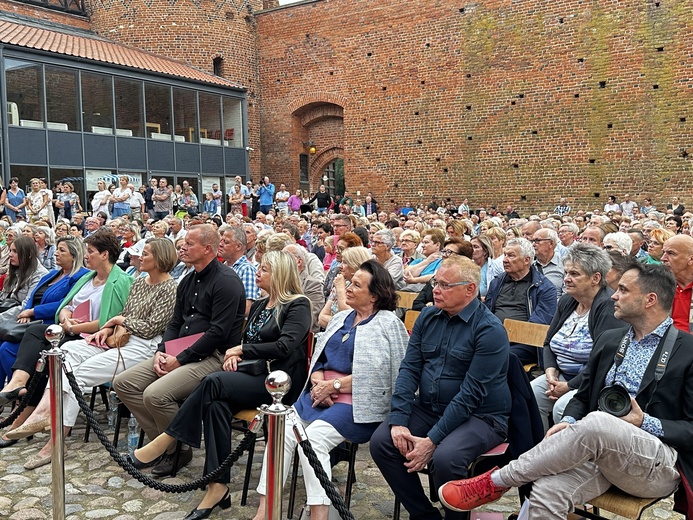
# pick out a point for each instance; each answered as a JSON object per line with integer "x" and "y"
{"x": 86, "y": 119}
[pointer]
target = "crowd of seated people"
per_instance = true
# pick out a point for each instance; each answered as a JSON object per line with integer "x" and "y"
{"x": 250, "y": 288}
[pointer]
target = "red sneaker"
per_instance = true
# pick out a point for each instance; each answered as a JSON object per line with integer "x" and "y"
{"x": 468, "y": 494}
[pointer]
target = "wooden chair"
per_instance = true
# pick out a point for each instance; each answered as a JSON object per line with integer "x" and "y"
{"x": 405, "y": 299}
{"x": 532, "y": 334}
{"x": 617, "y": 502}
{"x": 410, "y": 319}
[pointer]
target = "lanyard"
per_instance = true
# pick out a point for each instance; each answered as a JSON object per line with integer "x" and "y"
{"x": 669, "y": 340}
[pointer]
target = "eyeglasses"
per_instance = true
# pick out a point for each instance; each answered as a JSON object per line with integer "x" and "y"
{"x": 408, "y": 240}
{"x": 539, "y": 240}
{"x": 448, "y": 252}
{"x": 609, "y": 247}
{"x": 376, "y": 243}
{"x": 445, "y": 286}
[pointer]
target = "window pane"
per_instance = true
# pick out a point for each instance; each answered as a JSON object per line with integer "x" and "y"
{"x": 210, "y": 117}
{"x": 233, "y": 119}
{"x": 129, "y": 109}
{"x": 62, "y": 104}
{"x": 97, "y": 103}
{"x": 185, "y": 115}
{"x": 24, "y": 83}
{"x": 157, "y": 100}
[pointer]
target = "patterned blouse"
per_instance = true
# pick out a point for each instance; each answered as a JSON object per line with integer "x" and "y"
{"x": 149, "y": 308}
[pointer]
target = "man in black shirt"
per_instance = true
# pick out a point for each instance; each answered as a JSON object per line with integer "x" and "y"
{"x": 210, "y": 300}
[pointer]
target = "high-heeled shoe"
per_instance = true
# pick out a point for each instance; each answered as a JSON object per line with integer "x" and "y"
{"x": 8, "y": 397}
{"x": 138, "y": 464}
{"x": 199, "y": 514}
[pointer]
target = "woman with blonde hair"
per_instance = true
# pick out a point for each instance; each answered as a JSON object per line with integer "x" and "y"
{"x": 410, "y": 240}
{"x": 655, "y": 245}
{"x": 498, "y": 239}
{"x": 418, "y": 272}
{"x": 121, "y": 198}
{"x": 352, "y": 258}
{"x": 100, "y": 200}
{"x": 38, "y": 203}
{"x": 274, "y": 339}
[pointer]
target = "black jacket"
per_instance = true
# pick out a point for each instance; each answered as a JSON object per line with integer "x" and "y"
{"x": 671, "y": 400}
{"x": 285, "y": 342}
{"x": 600, "y": 319}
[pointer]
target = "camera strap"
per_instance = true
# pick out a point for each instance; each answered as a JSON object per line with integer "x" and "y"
{"x": 667, "y": 347}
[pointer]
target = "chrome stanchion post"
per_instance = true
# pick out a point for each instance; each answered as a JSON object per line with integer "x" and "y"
{"x": 278, "y": 384}
{"x": 53, "y": 334}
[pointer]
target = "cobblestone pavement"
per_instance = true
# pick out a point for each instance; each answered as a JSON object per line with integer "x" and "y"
{"x": 96, "y": 487}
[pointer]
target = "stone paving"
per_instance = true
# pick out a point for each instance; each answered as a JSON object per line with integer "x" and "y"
{"x": 97, "y": 488}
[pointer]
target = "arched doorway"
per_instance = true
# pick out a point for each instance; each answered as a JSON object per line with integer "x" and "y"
{"x": 333, "y": 177}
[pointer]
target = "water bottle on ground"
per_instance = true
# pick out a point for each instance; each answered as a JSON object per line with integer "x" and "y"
{"x": 133, "y": 435}
{"x": 113, "y": 403}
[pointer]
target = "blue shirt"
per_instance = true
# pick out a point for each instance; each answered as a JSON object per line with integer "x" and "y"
{"x": 459, "y": 366}
{"x": 246, "y": 272}
{"x": 266, "y": 194}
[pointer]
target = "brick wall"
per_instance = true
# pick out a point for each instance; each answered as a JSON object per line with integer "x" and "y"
{"x": 196, "y": 32}
{"x": 47, "y": 15}
{"x": 498, "y": 101}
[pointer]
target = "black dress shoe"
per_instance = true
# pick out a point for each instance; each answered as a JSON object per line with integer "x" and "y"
{"x": 8, "y": 397}
{"x": 165, "y": 467}
{"x": 4, "y": 443}
{"x": 138, "y": 464}
{"x": 198, "y": 514}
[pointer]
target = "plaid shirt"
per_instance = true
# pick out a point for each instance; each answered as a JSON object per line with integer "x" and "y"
{"x": 246, "y": 272}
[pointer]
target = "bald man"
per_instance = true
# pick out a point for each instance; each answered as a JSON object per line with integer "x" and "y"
{"x": 678, "y": 256}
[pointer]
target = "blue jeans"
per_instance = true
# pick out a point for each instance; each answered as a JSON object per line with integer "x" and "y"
{"x": 117, "y": 212}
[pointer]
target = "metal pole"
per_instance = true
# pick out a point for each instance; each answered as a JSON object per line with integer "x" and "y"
{"x": 278, "y": 384}
{"x": 53, "y": 334}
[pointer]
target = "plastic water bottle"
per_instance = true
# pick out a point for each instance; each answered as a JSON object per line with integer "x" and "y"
{"x": 133, "y": 435}
{"x": 113, "y": 403}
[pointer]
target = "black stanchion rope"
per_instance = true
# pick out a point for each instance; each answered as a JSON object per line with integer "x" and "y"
{"x": 124, "y": 463}
{"x": 332, "y": 493}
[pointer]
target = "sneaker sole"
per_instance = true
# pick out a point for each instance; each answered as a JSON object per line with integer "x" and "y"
{"x": 457, "y": 509}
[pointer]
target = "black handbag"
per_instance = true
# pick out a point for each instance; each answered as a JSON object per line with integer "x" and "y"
{"x": 13, "y": 331}
{"x": 253, "y": 367}
{"x": 8, "y": 303}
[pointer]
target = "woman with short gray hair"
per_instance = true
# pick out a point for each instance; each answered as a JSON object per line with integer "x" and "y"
{"x": 381, "y": 246}
{"x": 584, "y": 311}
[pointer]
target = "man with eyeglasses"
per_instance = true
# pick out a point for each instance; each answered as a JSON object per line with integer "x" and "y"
{"x": 451, "y": 401}
{"x": 546, "y": 258}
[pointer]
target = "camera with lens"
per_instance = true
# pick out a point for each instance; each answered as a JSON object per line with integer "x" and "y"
{"x": 614, "y": 400}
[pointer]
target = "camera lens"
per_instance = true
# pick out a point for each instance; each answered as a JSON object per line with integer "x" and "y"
{"x": 614, "y": 400}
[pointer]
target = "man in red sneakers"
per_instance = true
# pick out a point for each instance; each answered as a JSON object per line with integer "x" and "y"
{"x": 636, "y": 441}
{"x": 451, "y": 399}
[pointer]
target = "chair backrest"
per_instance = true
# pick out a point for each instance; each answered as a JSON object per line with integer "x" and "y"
{"x": 410, "y": 319}
{"x": 310, "y": 345}
{"x": 406, "y": 299}
{"x": 532, "y": 334}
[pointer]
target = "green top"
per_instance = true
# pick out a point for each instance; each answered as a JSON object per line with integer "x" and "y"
{"x": 113, "y": 298}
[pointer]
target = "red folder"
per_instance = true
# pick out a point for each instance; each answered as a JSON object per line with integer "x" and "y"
{"x": 82, "y": 312}
{"x": 174, "y": 347}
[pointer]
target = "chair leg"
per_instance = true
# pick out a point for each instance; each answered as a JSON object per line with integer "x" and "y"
{"x": 176, "y": 458}
{"x": 248, "y": 470}
{"x": 395, "y": 511}
{"x": 87, "y": 430}
{"x": 140, "y": 443}
{"x": 351, "y": 476}
{"x": 104, "y": 395}
{"x": 294, "y": 485}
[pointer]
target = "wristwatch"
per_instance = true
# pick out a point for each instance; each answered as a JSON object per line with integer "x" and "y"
{"x": 337, "y": 384}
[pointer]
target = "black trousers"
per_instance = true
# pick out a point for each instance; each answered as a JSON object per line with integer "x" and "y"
{"x": 450, "y": 460}
{"x": 213, "y": 404}
{"x": 29, "y": 353}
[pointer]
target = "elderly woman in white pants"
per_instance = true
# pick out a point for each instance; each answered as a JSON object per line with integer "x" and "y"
{"x": 352, "y": 376}
{"x": 147, "y": 312}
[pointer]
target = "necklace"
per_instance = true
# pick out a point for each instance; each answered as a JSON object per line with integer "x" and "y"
{"x": 353, "y": 327}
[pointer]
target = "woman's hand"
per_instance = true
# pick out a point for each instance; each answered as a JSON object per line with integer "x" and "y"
{"x": 25, "y": 316}
{"x": 236, "y": 351}
{"x": 557, "y": 389}
{"x": 339, "y": 283}
{"x": 99, "y": 338}
{"x": 231, "y": 363}
{"x": 322, "y": 393}
{"x": 115, "y": 320}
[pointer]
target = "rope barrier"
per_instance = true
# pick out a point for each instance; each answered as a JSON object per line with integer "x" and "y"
{"x": 124, "y": 463}
{"x": 332, "y": 493}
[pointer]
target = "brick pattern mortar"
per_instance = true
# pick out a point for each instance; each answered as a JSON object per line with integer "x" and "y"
{"x": 498, "y": 101}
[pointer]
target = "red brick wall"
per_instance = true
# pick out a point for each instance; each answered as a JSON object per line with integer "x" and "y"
{"x": 492, "y": 100}
{"x": 41, "y": 13}
{"x": 196, "y": 33}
